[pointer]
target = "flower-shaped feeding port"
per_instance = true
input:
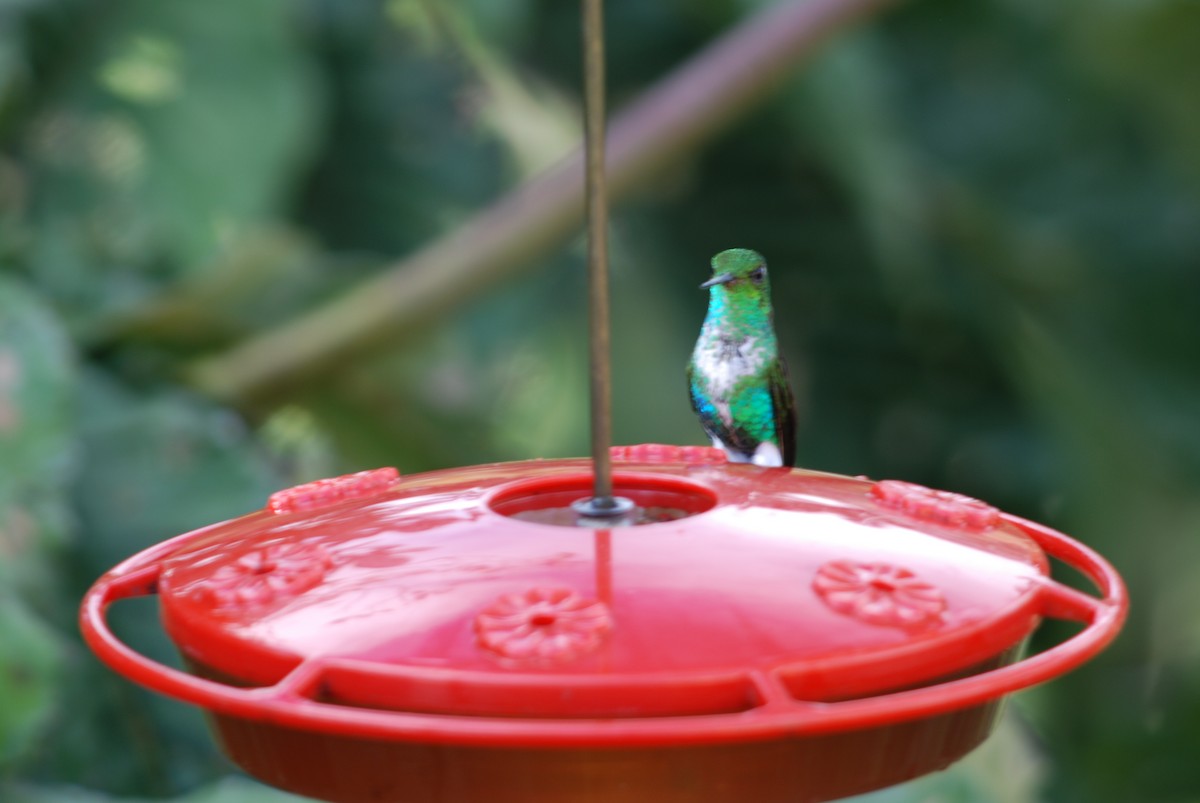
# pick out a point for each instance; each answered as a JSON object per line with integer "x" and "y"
{"x": 940, "y": 507}
{"x": 879, "y": 594}
{"x": 265, "y": 575}
{"x": 322, "y": 493}
{"x": 543, "y": 624}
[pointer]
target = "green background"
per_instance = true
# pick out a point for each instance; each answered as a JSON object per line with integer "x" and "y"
{"x": 982, "y": 219}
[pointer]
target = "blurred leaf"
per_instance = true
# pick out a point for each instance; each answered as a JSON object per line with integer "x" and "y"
{"x": 10, "y": 56}
{"x": 240, "y": 790}
{"x": 651, "y": 340}
{"x": 845, "y": 105}
{"x": 404, "y": 158}
{"x": 37, "y": 450}
{"x": 157, "y": 464}
{"x": 180, "y": 130}
{"x": 223, "y": 96}
{"x": 36, "y": 386}
{"x": 260, "y": 277}
{"x": 111, "y": 735}
{"x": 31, "y": 664}
{"x": 538, "y": 126}
{"x": 1146, "y": 52}
{"x": 160, "y": 465}
{"x": 298, "y": 443}
{"x": 505, "y": 23}
{"x": 228, "y": 790}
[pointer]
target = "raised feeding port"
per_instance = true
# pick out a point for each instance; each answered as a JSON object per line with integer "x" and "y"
{"x": 552, "y": 500}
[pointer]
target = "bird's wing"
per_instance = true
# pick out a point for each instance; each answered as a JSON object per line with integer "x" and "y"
{"x": 785, "y": 413}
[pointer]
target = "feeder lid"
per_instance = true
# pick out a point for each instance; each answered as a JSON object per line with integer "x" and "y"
{"x": 432, "y": 594}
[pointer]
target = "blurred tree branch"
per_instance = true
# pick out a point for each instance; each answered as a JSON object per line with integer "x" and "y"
{"x": 669, "y": 121}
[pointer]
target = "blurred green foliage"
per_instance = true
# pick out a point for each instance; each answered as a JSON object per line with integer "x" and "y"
{"x": 983, "y": 220}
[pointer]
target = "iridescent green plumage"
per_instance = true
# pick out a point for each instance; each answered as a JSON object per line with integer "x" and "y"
{"x": 737, "y": 379}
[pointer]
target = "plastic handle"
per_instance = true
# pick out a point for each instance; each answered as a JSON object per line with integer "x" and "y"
{"x": 288, "y": 702}
{"x": 1103, "y": 619}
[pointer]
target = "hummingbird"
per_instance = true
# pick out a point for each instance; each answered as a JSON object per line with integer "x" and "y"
{"x": 737, "y": 378}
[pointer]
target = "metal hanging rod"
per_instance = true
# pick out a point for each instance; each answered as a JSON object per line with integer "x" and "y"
{"x": 603, "y": 503}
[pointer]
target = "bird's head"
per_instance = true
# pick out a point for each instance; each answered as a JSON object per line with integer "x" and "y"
{"x": 740, "y": 275}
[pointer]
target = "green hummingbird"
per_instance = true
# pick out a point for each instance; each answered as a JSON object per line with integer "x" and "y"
{"x": 737, "y": 378}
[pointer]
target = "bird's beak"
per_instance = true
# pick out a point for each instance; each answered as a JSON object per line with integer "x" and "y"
{"x": 723, "y": 278}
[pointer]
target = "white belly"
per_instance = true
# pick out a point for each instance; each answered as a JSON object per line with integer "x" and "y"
{"x": 722, "y": 364}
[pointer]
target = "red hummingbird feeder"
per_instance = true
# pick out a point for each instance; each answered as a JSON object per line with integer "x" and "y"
{"x": 764, "y": 634}
{"x": 680, "y": 630}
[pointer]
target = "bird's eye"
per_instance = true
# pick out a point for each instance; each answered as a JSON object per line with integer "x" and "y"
{"x": 759, "y": 273}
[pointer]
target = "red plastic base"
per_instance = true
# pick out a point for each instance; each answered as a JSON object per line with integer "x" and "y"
{"x": 794, "y": 637}
{"x": 803, "y": 770}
